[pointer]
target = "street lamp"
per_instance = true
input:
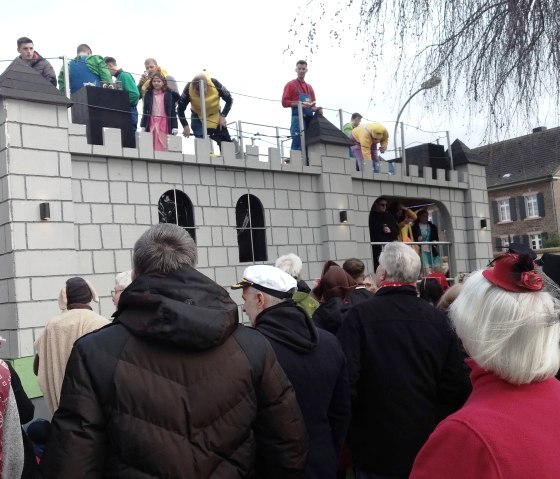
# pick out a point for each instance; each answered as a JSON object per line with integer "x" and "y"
{"x": 431, "y": 83}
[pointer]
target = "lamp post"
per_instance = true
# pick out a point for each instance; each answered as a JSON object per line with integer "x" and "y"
{"x": 431, "y": 83}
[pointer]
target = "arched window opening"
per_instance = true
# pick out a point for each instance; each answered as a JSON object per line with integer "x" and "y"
{"x": 175, "y": 207}
{"x": 251, "y": 230}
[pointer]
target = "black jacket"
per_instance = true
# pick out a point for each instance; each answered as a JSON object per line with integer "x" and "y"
{"x": 406, "y": 374}
{"x": 377, "y": 222}
{"x": 185, "y": 99}
{"x": 434, "y": 236}
{"x": 330, "y": 315}
{"x": 316, "y": 367}
{"x": 169, "y": 102}
{"x": 166, "y": 391}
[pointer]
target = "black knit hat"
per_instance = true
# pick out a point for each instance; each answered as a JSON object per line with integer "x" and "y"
{"x": 78, "y": 291}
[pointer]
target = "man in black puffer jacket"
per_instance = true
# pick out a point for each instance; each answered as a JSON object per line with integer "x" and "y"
{"x": 175, "y": 387}
{"x": 311, "y": 358}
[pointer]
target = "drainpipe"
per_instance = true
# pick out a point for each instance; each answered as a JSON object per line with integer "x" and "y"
{"x": 554, "y": 178}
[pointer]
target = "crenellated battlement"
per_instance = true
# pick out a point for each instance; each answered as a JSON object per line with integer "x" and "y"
{"x": 102, "y": 197}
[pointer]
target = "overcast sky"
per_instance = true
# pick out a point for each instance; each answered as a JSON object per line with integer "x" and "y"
{"x": 241, "y": 44}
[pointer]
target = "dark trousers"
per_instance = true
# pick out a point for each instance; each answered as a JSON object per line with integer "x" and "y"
{"x": 216, "y": 134}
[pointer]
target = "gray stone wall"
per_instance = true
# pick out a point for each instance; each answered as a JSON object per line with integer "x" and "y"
{"x": 103, "y": 197}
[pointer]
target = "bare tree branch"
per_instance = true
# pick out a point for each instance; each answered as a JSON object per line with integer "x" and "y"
{"x": 502, "y": 56}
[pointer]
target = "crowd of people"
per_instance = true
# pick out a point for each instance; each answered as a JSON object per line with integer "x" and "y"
{"x": 163, "y": 105}
{"x": 349, "y": 374}
{"x": 391, "y": 374}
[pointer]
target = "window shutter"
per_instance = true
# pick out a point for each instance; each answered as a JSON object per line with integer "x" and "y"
{"x": 544, "y": 237}
{"x": 522, "y": 212}
{"x": 540, "y": 203}
{"x": 498, "y": 244}
{"x": 525, "y": 240}
{"x": 495, "y": 213}
{"x": 512, "y": 209}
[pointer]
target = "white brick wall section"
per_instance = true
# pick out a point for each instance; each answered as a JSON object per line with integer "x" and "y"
{"x": 41, "y": 188}
{"x": 37, "y": 313}
{"x": 124, "y": 214}
{"x": 47, "y": 235}
{"x": 98, "y": 170}
{"x": 118, "y": 192}
{"x": 42, "y": 163}
{"x": 13, "y": 134}
{"x": 138, "y": 193}
{"x": 101, "y": 213}
{"x": 171, "y": 173}
{"x": 44, "y": 138}
{"x": 90, "y": 237}
{"x": 120, "y": 170}
{"x": 111, "y": 236}
{"x": 103, "y": 262}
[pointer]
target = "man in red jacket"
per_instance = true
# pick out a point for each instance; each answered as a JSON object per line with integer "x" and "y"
{"x": 295, "y": 91}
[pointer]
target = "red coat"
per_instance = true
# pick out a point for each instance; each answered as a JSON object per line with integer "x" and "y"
{"x": 503, "y": 431}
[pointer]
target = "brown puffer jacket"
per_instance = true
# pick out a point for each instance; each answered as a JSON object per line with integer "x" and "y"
{"x": 167, "y": 391}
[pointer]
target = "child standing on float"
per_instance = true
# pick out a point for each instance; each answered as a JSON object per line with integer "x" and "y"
{"x": 159, "y": 115}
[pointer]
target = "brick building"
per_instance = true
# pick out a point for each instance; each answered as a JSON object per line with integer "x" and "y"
{"x": 523, "y": 189}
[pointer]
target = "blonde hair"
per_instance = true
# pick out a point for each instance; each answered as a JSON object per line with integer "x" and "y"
{"x": 449, "y": 296}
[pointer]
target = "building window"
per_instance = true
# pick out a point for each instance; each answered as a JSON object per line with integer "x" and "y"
{"x": 504, "y": 241}
{"x": 175, "y": 207}
{"x": 251, "y": 230}
{"x": 532, "y": 206}
{"x": 535, "y": 240}
{"x": 504, "y": 210}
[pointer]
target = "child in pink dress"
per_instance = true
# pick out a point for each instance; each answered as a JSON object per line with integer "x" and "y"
{"x": 159, "y": 115}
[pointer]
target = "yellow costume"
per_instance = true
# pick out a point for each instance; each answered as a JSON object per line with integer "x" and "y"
{"x": 211, "y": 99}
{"x": 370, "y": 134}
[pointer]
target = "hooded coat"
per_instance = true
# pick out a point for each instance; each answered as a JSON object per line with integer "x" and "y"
{"x": 315, "y": 365}
{"x": 166, "y": 391}
{"x": 55, "y": 344}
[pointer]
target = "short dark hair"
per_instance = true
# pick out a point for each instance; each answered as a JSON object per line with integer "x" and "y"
{"x": 82, "y": 47}
{"x": 163, "y": 248}
{"x": 22, "y": 40}
{"x": 354, "y": 267}
{"x": 355, "y": 115}
{"x": 430, "y": 289}
{"x": 110, "y": 60}
{"x": 301, "y": 62}
{"x": 381, "y": 198}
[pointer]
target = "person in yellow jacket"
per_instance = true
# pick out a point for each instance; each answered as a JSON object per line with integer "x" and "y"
{"x": 216, "y": 123}
{"x": 366, "y": 138}
{"x": 152, "y": 67}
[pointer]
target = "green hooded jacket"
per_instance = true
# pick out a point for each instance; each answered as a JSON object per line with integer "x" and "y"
{"x": 95, "y": 64}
